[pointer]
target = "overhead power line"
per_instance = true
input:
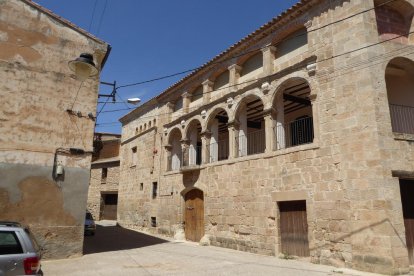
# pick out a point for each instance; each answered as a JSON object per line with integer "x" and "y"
{"x": 93, "y": 15}
{"x": 379, "y": 57}
{"x": 254, "y": 50}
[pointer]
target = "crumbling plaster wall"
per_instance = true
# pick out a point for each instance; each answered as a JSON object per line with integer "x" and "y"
{"x": 36, "y": 89}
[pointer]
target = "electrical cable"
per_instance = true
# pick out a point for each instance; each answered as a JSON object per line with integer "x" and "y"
{"x": 76, "y": 97}
{"x": 93, "y": 15}
{"x": 102, "y": 16}
{"x": 254, "y": 50}
{"x": 323, "y": 60}
{"x": 119, "y": 96}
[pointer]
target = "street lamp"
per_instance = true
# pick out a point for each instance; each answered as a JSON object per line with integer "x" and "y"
{"x": 83, "y": 66}
{"x": 134, "y": 101}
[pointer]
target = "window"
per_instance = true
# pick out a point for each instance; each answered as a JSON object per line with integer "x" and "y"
{"x": 197, "y": 94}
{"x": 154, "y": 189}
{"x": 134, "y": 156}
{"x": 178, "y": 104}
{"x": 153, "y": 221}
{"x": 104, "y": 175}
{"x": 9, "y": 243}
{"x": 141, "y": 186}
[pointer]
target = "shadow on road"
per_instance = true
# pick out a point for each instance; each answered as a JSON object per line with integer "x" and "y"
{"x": 114, "y": 238}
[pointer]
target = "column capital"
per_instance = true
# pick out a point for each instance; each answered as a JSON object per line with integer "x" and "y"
{"x": 168, "y": 147}
{"x": 269, "y": 48}
{"x": 313, "y": 97}
{"x": 186, "y": 95}
{"x": 185, "y": 141}
{"x": 207, "y": 82}
{"x": 170, "y": 105}
{"x": 270, "y": 112}
{"x": 233, "y": 123}
{"x": 308, "y": 24}
{"x": 235, "y": 67}
{"x": 206, "y": 133}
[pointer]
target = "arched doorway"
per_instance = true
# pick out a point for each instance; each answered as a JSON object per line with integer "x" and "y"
{"x": 194, "y": 215}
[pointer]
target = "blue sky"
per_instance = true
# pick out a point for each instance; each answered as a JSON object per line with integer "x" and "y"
{"x": 153, "y": 38}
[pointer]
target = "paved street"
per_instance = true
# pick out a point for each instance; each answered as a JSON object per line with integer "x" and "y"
{"x": 117, "y": 251}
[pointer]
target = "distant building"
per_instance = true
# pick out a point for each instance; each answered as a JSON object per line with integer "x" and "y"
{"x": 46, "y": 132}
{"x": 103, "y": 186}
{"x": 297, "y": 140}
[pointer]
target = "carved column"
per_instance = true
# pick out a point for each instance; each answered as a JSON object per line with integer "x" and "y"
{"x": 280, "y": 123}
{"x": 205, "y": 147}
{"x": 233, "y": 128}
{"x": 234, "y": 75}
{"x": 168, "y": 153}
{"x": 315, "y": 117}
{"x": 186, "y": 101}
{"x": 207, "y": 88}
{"x": 269, "y": 119}
{"x": 185, "y": 157}
{"x": 170, "y": 110}
{"x": 269, "y": 55}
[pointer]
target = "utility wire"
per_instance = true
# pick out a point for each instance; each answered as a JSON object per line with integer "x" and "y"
{"x": 119, "y": 96}
{"x": 76, "y": 97}
{"x": 254, "y": 50}
{"x": 93, "y": 15}
{"x": 102, "y": 16}
{"x": 378, "y": 57}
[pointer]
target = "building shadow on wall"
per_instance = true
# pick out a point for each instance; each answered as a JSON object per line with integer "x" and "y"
{"x": 115, "y": 238}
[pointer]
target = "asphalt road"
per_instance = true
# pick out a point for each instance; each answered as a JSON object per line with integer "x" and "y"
{"x": 117, "y": 251}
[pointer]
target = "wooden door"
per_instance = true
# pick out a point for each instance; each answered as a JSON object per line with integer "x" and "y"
{"x": 194, "y": 215}
{"x": 407, "y": 196}
{"x": 109, "y": 210}
{"x": 294, "y": 228}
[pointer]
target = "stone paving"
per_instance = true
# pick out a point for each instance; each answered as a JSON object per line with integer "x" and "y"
{"x": 109, "y": 252}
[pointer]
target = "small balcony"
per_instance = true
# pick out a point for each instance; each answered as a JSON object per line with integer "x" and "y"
{"x": 402, "y": 118}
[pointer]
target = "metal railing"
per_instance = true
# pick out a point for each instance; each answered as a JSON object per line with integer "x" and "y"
{"x": 402, "y": 118}
{"x": 295, "y": 133}
{"x": 251, "y": 143}
{"x": 191, "y": 156}
{"x": 218, "y": 151}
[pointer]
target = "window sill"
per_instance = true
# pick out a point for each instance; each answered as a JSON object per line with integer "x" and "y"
{"x": 403, "y": 136}
{"x": 133, "y": 166}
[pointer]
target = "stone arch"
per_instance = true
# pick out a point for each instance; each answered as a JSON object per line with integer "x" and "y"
{"x": 251, "y": 93}
{"x": 394, "y": 19}
{"x": 173, "y": 132}
{"x": 399, "y": 79}
{"x": 284, "y": 82}
{"x": 294, "y": 121}
{"x": 249, "y": 115}
{"x": 192, "y": 153}
{"x": 174, "y": 147}
{"x": 189, "y": 123}
{"x": 218, "y": 141}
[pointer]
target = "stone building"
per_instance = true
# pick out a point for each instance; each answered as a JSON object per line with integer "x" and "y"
{"x": 103, "y": 185}
{"x": 297, "y": 140}
{"x": 46, "y": 132}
